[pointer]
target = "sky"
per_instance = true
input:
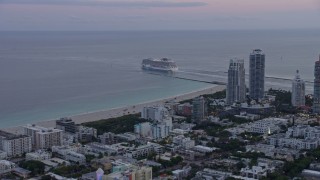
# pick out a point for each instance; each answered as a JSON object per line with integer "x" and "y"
{"x": 158, "y": 14}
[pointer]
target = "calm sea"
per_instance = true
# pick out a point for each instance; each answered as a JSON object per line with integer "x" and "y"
{"x": 47, "y": 75}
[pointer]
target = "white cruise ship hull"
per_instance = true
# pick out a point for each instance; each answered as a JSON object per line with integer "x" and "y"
{"x": 151, "y": 68}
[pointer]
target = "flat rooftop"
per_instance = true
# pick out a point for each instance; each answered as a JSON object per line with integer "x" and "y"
{"x": 10, "y": 136}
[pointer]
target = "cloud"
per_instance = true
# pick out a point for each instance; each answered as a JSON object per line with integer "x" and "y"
{"x": 105, "y": 3}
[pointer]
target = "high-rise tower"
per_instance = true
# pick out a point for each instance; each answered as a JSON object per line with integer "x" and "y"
{"x": 199, "y": 109}
{"x": 236, "y": 87}
{"x": 256, "y": 74}
{"x": 316, "y": 94}
{"x": 298, "y": 98}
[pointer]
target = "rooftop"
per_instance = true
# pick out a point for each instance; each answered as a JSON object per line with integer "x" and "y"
{"x": 21, "y": 170}
{"x": 10, "y": 136}
{"x": 42, "y": 129}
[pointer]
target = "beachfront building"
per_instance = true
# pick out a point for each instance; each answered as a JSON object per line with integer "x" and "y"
{"x": 143, "y": 129}
{"x": 82, "y": 133}
{"x": 257, "y": 74}
{"x": 316, "y": 94}
{"x": 199, "y": 109}
{"x": 86, "y": 134}
{"x": 155, "y": 113}
{"x": 14, "y": 145}
{"x": 298, "y": 91}
{"x": 184, "y": 109}
{"x": 67, "y": 125}
{"x": 43, "y": 138}
{"x": 236, "y": 86}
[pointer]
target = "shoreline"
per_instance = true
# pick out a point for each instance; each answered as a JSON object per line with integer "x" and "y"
{"x": 120, "y": 111}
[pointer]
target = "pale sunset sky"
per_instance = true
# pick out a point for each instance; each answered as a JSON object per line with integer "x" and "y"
{"x": 158, "y": 14}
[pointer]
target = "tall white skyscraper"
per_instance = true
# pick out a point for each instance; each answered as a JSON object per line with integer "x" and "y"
{"x": 256, "y": 74}
{"x": 298, "y": 91}
{"x": 236, "y": 87}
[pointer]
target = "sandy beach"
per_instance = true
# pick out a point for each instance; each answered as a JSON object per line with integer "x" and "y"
{"x": 132, "y": 109}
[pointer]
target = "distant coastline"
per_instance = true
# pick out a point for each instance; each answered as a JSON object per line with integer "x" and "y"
{"x": 120, "y": 111}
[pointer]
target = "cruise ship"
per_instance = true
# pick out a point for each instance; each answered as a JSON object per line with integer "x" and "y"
{"x": 163, "y": 64}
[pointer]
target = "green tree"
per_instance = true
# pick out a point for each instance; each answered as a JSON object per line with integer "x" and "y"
{"x": 116, "y": 125}
{"x": 36, "y": 167}
{"x": 89, "y": 157}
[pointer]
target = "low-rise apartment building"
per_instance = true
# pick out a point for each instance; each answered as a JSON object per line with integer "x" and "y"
{"x": 38, "y": 155}
{"x": 183, "y": 142}
{"x": 6, "y": 166}
{"x": 145, "y": 150}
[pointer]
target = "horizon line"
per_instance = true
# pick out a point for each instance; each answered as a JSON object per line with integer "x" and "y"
{"x": 158, "y": 30}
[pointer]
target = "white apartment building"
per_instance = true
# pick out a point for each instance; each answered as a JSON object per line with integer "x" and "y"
{"x": 157, "y": 130}
{"x": 44, "y": 138}
{"x": 155, "y": 113}
{"x": 180, "y": 174}
{"x": 183, "y": 142}
{"x": 38, "y": 155}
{"x": 137, "y": 173}
{"x": 69, "y": 153}
{"x": 3, "y": 155}
{"x": 256, "y": 172}
{"x": 14, "y": 145}
{"x": 143, "y": 129}
{"x": 6, "y": 166}
{"x": 267, "y": 149}
{"x": 98, "y": 148}
{"x": 86, "y": 133}
{"x": 160, "y": 131}
{"x": 296, "y": 131}
{"x": 303, "y": 131}
{"x": 145, "y": 150}
{"x": 285, "y": 140}
{"x": 75, "y": 157}
{"x": 126, "y": 137}
{"x": 266, "y": 126}
{"x": 63, "y": 150}
{"x": 211, "y": 174}
{"x": 111, "y": 138}
{"x": 203, "y": 149}
{"x": 108, "y": 138}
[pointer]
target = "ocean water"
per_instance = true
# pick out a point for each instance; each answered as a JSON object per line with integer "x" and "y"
{"x": 47, "y": 75}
